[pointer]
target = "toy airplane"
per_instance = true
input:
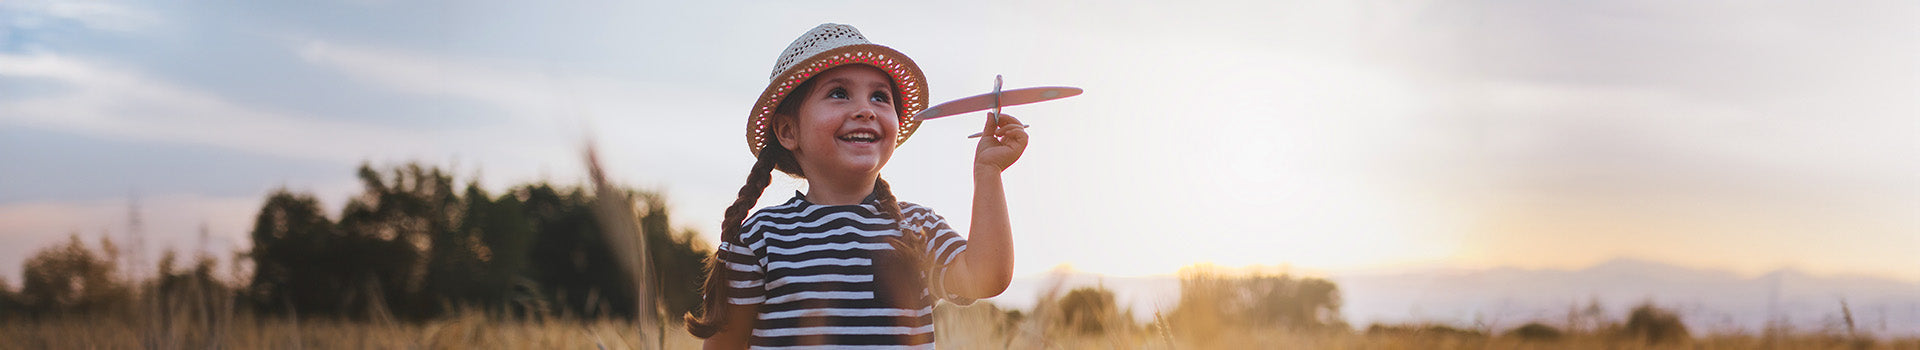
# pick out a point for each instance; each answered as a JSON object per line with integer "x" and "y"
{"x": 994, "y": 100}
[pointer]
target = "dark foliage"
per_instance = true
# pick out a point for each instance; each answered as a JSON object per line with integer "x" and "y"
{"x": 1423, "y": 330}
{"x": 1265, "y": 300}
{"x": 72, "y": 279}
{"x": 10, "y": 304}
{"x": 1089, "y": 310}
{"x": 1655, "y": 325}
{"x": 1535, "y": 331}
{"x": 410, "y": 246}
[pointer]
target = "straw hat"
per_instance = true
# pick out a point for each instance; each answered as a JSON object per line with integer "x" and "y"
{"x": 825, "y": 47}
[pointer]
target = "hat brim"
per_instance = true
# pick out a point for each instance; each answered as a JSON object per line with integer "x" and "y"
{"x": 908, "y": 82}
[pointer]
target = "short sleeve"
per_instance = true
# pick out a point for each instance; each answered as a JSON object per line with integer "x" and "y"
{"x": 746, "y": 280}
{"x": 944, "y": 245}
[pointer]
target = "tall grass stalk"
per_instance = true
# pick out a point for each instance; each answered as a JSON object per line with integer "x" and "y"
{"x": 620, "y": 223}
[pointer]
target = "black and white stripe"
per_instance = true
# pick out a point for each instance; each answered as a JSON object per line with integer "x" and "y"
{"x": 825, "y": 277}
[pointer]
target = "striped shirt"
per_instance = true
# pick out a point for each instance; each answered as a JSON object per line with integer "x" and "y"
{"x": 825, "y": 277}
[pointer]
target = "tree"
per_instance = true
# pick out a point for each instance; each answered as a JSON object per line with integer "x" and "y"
{"x": 409, "y": 244}
{"x": 10, "y": 304}
{"x": 1211, "y": 300}
{"x": 1655, "y": 325}
{"x": 71, "y": 279}
{"x": 571, "y": 259}
{"x": 483, "y": 260}
{"x": 292, "y": 247}
{"x": 679, "y": 259}
{"x": 1090, "y": 310}
{"x": 393, "y": 228}
{"x": 1536, "y": 331}
{"x": 190, "y": 297}
{"x": 1287, "y": 301}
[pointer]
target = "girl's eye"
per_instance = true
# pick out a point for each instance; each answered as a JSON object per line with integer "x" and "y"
{"x": 882, "y": 97}
{"x": 837, "y": 93}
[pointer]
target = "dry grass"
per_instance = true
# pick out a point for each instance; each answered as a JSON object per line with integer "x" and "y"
{"x": 972, "y": 335}
{"x": 469, "y": 332}
{"x": 976, "y": 327}
{"x": 983, "y": 326}
{"x": 189, "y": 320}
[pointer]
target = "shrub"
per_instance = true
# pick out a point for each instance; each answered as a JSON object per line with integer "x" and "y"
{"x": 1089, "y": 310}
{"x": 72, "y": 278}
{"x": 10, "y": 304}
{"x": 1421, "y": 330}
{"x": 1535, "y": 331}
{"x": 1655, "y": 325}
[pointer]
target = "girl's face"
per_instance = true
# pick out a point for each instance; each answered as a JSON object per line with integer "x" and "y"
{"x": 846, "y": 124}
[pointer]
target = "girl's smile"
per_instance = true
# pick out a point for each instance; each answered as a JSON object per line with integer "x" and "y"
{"x": 846, "y": 125}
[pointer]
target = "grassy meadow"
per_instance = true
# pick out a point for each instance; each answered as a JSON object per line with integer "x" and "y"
{"x": 1207, "y": 317}
{"x": 975, "y": 327}
{"x": 413, "y": 263}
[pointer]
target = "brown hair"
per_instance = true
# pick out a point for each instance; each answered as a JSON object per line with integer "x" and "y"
{"x": 912, "y": 242}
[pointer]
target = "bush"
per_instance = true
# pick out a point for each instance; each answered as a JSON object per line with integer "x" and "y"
{"x": 1535, "y": 331}
{"x": 10, "y": 305}
{"x": 411, "y": 246}
{"x": 1655, "y": 325}
{"x": 1210, "y": 299}
{"x": 1090, "y": 310}
{"x": 72, "y": 278}
{"x": 1422, "y": 330}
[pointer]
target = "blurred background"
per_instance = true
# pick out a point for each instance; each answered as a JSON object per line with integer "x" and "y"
{"x": 1481, "y": 164}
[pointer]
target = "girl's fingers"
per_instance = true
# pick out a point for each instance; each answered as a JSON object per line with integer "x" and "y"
{"x": 1011, "y": 131}
{"x": 977, "y": 134}
{"x": 991, "y": 118}
{"x": 1014, "y": 136}
{"x": 996, "y": 130}
{"x": 1002, "y": 142}
{"x": 1006, "y": 119}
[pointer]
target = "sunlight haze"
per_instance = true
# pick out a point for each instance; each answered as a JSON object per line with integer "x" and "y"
{"x": 1329, "y": 138}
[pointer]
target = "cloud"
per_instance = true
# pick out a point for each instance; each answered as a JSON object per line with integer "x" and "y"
{"x": 649, "y": 132}
{"x": 97, "y": 99}
{"x": 530, "y": 93}
{"x": 100, "y": 15}
{"x": 422, "y": 74}
{"x": 1772, "y": 133}
{"x": 1337, "y": 125}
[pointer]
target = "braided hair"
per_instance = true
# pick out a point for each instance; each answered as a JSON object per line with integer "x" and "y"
{"x": 911, "y": 245}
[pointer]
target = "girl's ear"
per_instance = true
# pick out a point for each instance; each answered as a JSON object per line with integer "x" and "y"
{"x": 785, "y": 131}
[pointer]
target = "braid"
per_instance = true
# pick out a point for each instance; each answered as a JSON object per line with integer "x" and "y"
{"x": 716, "y": 287}
{"x": 884, "y": 192}
{"x": 912, "y": 243}
{"x": 772, "y": 156}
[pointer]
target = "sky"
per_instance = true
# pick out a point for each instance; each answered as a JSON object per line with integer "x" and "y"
{"x": 1326, "y": 138}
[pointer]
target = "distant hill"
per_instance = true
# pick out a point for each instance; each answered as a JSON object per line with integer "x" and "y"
{"x": 1708, "y": 300}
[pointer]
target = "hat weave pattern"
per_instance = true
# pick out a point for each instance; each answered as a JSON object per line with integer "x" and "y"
{"x": 826, "y": 47}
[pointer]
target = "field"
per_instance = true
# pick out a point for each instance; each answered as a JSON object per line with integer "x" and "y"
{"x": 976, "y": 327}
{"x": 425, "y": 286}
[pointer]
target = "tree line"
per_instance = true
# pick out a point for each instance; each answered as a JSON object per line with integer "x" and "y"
{"x": 414, "y": 244}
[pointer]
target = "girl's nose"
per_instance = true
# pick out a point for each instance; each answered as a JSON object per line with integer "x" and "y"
{"x": 866, "y": 113}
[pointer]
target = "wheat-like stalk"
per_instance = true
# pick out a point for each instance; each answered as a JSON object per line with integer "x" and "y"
{"x": 614, "y": 209}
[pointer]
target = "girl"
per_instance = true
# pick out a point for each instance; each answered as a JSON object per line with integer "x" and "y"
{"x": 845, "y": 264}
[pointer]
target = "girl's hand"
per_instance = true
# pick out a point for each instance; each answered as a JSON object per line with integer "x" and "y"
{"x": 1000, "y": 145}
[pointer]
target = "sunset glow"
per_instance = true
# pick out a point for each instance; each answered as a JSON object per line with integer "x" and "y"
{"x": 1323, "y": 137}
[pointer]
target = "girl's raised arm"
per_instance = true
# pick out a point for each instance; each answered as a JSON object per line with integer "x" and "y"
{"x": 986, "y": 267}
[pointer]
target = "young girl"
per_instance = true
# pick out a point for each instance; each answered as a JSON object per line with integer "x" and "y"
{"x": 845, "y": 264}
